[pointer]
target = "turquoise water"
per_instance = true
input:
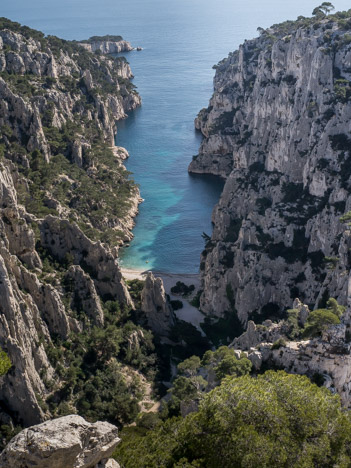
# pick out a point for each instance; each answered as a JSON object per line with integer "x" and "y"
{"x": 182, "y": 40}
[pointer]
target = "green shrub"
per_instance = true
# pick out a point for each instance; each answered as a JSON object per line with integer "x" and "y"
{"x": 293, "y": 323}
{"x": 195, "y": 302}
{"x": 148, "y": 420}
{"x": 176, "y": 305}
{"x": 346, "y": 218}
{"x": 318, "y": 321}
{"x": 182, "y": 288}
{"x": 5, "y": 363}
{"x": 280, "y": 343}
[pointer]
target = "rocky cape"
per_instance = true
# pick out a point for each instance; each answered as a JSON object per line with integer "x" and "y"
{"x": 66, "y": 203}
{"x": 106, "y": 44}
{"x": 278, "y": 130}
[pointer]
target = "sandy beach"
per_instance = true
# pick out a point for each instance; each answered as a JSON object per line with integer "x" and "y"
{"x": 188, "y": 313}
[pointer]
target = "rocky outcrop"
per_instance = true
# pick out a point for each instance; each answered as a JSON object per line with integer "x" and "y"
{"x": 110, "y": 463}
{"x": 63, "y": 238}
{"x": 256, "y": 334}
{"x": 84, "y": 295}
{"x": 57, "y": 65}
{"x": 67, "y": 442}
{"x": 154, "y": 304}
{"x": 106, "y": 45}
{"x": 22, "y": 327}
{"x": 277, "y": 129}
{"x": 326, "y": 359}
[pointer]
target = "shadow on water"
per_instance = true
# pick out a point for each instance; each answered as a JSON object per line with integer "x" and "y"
{"x": 177, "y": 246}
{"x": 177, "y": 206}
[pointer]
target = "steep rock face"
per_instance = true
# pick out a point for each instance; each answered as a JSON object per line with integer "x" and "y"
{"x": 61, "y": 237}
{"x": 154, "y": 304}
{"x": 21, "y": 56}
{"x": 67, "y": 442}
{"x": 106, "y": 45}
{"x": 278, "y": 128}
{"x": 22, "y": 327}
{"x": 65, "y": 204}
{"x": 84, "y": 294}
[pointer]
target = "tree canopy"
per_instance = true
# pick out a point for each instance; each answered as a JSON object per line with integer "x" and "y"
{"x": 324, "y": 9}
{"x": 320, "y": 319}
{"x": 276, "y": 419}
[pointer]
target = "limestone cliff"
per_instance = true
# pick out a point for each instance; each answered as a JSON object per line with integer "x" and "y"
{"x": 66, "y": 203}
{"x": 154, "y": 303}
{"x": 278, "y": 129}
{"x": 106, "y": 44}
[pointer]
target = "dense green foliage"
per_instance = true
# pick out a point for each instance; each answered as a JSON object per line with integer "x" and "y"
{"x": 224, "y": 362}
{"x": 320, "y": 319}
{"x": 182, "y": 289}
{"x": 195, "y": 375}
{"x": 5, "y": 363}
{"x": 100, "y": 369}
{"x": 176, "y": 305}
{"x": 135, "y": 287}
{"x": 107, "y": 37}
{"x": 273, "y": 420}
{"x": 317, "y": 321}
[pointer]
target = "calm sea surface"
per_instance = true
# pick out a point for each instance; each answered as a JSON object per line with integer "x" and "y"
{"x": 182, "y": 40}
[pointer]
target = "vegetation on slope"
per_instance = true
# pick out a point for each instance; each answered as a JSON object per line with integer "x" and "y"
{"x": 275, "y": 419}
{"x": 102, "y": 369}
{"x": 107, "y": 37}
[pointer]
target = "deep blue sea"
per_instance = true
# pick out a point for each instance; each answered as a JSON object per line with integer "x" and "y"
{"x": 182, "y": 40}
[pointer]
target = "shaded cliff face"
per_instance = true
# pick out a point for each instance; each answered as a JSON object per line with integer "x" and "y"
{"x": 278, "y": 129}
{"x": 65, "y": 203}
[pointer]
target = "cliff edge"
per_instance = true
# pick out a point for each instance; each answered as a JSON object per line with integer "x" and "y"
{"x": 66, "y": 204}
{"x": 278, "y": 130}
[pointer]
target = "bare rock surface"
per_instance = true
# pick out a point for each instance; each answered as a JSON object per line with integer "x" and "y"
{"x": 277, "y": 128}
{"x": 154, "y": 304}
{"x": 67, "y": 442}
{"x": 106, "y": 46}
{"x": 62, "y": 237}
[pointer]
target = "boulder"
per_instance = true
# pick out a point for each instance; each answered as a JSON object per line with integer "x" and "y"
{"x": 67, "y": 442}
{"x": 110, "y": 463}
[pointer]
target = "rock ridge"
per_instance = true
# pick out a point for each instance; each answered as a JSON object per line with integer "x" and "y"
{"x": 66, "y": 203}
{"x": 277, "y": 128}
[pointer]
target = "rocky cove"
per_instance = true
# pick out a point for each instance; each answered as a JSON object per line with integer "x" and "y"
{"x": 82, "y": 339}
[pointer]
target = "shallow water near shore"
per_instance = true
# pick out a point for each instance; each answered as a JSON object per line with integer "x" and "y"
{"x": 182, "y": 40}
